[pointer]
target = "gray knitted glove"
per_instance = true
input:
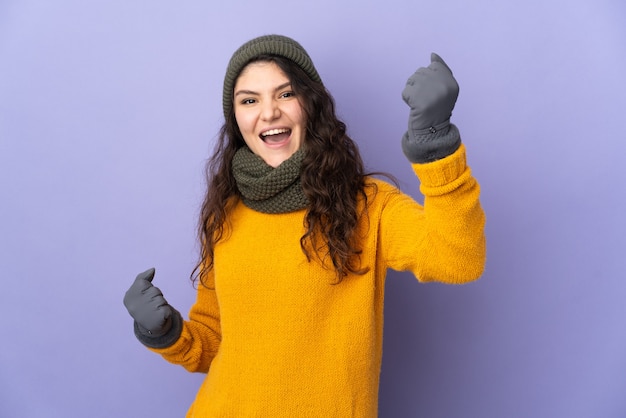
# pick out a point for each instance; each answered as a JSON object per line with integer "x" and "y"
{"x": 431, "y": 93}
{"x": 157, "y": 324}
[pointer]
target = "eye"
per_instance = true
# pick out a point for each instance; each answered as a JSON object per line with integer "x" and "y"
{"x": 287, "y": 94}
{"x": 247, "y": 101}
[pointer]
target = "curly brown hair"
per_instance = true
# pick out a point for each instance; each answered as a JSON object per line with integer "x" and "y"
{"x": 332, "y": 177}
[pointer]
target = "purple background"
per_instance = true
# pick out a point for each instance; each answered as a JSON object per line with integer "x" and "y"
{"x": 108, "y": 110}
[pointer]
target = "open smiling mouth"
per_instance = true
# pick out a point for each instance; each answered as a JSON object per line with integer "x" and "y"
{"x": 275, "y": 135}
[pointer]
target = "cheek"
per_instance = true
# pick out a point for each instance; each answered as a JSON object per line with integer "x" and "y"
{"x": 298, "y": 115}
{"x": 243, "y": 122}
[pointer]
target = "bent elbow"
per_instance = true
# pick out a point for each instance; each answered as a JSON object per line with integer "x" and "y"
{"x": 456, "y": 266}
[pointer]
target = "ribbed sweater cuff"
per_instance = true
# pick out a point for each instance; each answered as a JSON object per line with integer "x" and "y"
{"x": 441, "y": 176}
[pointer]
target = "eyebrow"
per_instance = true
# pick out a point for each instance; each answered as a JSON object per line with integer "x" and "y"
{"x": 282, "y": 86}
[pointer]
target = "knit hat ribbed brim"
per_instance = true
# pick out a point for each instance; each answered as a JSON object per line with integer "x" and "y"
{"x": 268, "y": 44}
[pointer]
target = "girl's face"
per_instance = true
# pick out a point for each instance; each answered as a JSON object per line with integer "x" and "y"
{"x": 268, "y": 113}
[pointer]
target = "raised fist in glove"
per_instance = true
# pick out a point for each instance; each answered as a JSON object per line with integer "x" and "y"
{"x": 431, "y": 93}
{"x": 146, "y": 304}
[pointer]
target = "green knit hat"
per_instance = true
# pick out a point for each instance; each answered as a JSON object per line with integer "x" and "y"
{"x": 267, "y": 44}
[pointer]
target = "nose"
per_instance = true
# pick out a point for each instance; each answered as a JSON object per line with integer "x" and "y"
{"x": 270, "y": 110}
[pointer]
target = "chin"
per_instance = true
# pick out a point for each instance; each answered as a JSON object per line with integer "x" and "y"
{"x": 277, "y": 160}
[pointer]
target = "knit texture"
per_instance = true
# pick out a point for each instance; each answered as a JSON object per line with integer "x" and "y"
{"x": 278, "y": 340}
{"x": 268, "y": 189}
{"x": 268, "y": 44}
{"x": 430, "y": 145}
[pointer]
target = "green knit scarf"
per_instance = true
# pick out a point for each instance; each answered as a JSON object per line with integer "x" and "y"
{"x": 267, "y": 189}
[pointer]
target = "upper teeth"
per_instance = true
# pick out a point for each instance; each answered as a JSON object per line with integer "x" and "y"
{"x": 274, "y": 132}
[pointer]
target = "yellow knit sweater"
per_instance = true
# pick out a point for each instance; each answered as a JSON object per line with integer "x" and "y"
{"x": 276, "y": 339}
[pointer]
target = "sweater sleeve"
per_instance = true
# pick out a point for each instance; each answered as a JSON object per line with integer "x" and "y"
{"x": 201, "y": 334}
{"x": 443, "y": 240}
